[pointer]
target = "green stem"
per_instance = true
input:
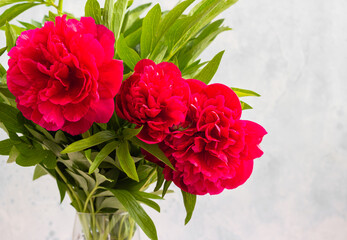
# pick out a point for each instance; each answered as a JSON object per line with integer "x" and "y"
{"x": 94, "y": 227}
{"x": 148, "y": 182}
{"x": 117, "y": 120}
{"x": 5, "y": 99}
{"x": 85, "y": 226}
{"x": 120, "y": 227}
{"x": 131, "y": 232}
{"x": 60, "y": 7}
{"x": 107, "y": 231}
{"x": 68, "y": 192}
{"x": 89, "y": 198}
{"x": 72, "y": 196}
{"x": 70, "y": 189}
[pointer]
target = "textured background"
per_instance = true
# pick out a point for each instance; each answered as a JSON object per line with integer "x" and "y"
{"x": 293, "y": 53}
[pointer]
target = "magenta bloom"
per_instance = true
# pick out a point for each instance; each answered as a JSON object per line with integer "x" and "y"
{"x": 213, "y": 149}
{"x": 64, "y": 76}
{"x": 155, "y": 97}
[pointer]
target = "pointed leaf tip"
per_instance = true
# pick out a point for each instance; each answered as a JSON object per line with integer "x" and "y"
{"x": 189, "y": 203}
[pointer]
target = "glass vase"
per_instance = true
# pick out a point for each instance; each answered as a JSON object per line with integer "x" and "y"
{"x": 105, "y": 226}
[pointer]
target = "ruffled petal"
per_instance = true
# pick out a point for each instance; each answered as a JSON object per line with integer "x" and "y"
{"x": 140, "y": 66}
{"x": 254, "y": 134}
{"x": 63, "y": 74}
{"x": 110, "y": 78}
{"x": 243, "y": 172}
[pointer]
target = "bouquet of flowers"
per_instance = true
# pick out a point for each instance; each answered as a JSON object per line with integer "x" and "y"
{"x": 117, "y": 100}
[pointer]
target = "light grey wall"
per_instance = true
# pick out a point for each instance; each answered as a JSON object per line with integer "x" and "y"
{"x": 293, "y": 53}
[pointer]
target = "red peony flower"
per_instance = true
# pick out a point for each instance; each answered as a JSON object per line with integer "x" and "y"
{"x": 63, "y": 75}
{"x": 213, "y": 149}
{"x": 156, "y": 97}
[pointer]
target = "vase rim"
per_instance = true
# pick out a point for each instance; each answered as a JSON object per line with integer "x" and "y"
{"x": 104, "y": 214}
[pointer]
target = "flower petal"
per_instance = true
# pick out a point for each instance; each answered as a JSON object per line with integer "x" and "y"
{"x": 140, "y": 66}
{"x": 110, "y": 78}
{"x": 254, "y": 134}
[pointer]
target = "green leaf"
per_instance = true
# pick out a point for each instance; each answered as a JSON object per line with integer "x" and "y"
{"x": 81, "y": 181}
{"x": 7, "y": 2}
{"x": 134, "y": 38}
{"x": 3, "y": 77}
{"x": 112, "y": 175}
{"x": 11, "y": 36}
{"x": 14, "y": 11}
{"x": 87, "y": 133}
{"x": 2, "y": 71}
{"x": 103, "y": 126}
{"x": 207, "y": 73}
{"x": 220, "y": 5}
{"x": 91, "y": 141}
{"x": 133, "y": 15}
{"x": 129, "y": 133}
{"x": 126, "y": 161}
{"x": 110, "y": 202}
{"x": 4, "y": 90}
{"x": 77, "y": 159}
{"x": 8, "y": 116}
{"x": 149, "y": 30}
{"x": 172, "y": 16}
{"x": 90, "y": 180}
{"x": 186, "y": 28}
{"x": 62, "y": 189}
{"x": 244, "y": 92}
{"x": 126, "y": 76}
{"x": 35, "y": 134}
{"x": 100, "y": 178}
{"x": 177, "y": 31}
{"x": 39, "y": 172}
{"x": 130, "y": 3}
{"x": 53, "y": 147}
{"x": 50, "y": 160}
{"x": 88, "y": 153}
{"x": 152, "y": 149}
{"x": 5, "y": 147}
{"x": 146, "y": 201}
{"x": 28, "y": 25}
{"x": 245, "y": 106}
{"x": 119, "y": 11}
{"x": 160, "y": 56}
{"x": 128, "y": 55}
{"x": 105, "y": 151}
{"x": 92, "y": 9}
{"x": 15, "y": 138}
{"x": 14, "y": 153}
{"x": 189, "y": 203}
{"x": 104, "y": 193}
{"x": 108, "y": 13}
{"x": 136, "y": 25}
{"x": 166, "y": 187}
{"x": 44, "y": 132}
{"x": 146, "y": 195}
{"x": 194, "y": 48}
{"x": 2, "y": 50}
{"x": 36, "y": 23}
{"x": 201, "y": 6}
{"x": 211, "y": 29}
{"x": 136, "y": 212}
{"x": 60, "y": 137}
{"x": 160, "y": 178}
{"x": 30, "y": 155}
{"x": 51, "y": 16}
{"x": 192, "y": 69}
{"x": 74, "y": 204}
{"x": 18, "y": 30}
